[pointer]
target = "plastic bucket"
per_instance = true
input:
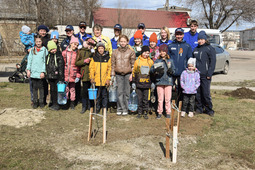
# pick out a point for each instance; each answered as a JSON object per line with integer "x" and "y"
{"x": 61, "y": 87}
{"x": 92, "y": 94}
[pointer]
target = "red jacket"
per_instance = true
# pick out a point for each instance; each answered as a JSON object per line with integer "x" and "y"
{"x": 71, "y": 70}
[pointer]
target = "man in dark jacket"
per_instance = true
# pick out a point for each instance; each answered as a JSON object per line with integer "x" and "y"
{"x": 69, "y": 32}
{"x": 179, "y": 51}
{"x": 82, "y": 35}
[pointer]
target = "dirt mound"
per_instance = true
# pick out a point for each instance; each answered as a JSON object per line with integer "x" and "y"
{"x": 20, "y": 117}
{"x": 242, "y": 93}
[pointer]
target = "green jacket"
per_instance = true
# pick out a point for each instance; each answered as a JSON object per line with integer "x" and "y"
{"x": 84, "y": 53}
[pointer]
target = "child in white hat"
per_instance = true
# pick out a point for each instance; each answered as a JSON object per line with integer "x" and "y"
{"x": 27, "y": 38}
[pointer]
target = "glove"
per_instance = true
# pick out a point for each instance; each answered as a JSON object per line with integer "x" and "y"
{"x": 76, "y": 80}
{"x": 159, "y": 70}
{"x": 79, "y": 47}
{"x": 170, "y": 71}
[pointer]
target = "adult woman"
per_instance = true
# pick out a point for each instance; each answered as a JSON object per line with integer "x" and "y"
{"x": 123, "y": 59}
{"x": 205, "y": 61}
{"x": 165, "y": 36}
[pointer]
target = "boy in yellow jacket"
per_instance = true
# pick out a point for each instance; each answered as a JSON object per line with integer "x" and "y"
{"x": 100, "y": 74}
{"x": 142, "y": 80}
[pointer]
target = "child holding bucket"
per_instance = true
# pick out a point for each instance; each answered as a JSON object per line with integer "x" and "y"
{"x": 142, "y": 80}
{"x": 54, "y": 72}
{"x": 100, "y": 74}
{"x": 72, "y": 72}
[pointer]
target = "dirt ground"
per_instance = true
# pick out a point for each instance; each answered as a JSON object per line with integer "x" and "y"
{"x": 242, "y": 93}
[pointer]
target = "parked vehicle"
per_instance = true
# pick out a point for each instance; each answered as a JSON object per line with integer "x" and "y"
{"x": 222, "y": 59}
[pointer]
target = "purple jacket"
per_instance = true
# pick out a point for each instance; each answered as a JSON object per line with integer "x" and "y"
{"x": 190, "y": 81}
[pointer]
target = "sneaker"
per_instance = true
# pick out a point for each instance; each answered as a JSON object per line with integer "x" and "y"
{"x": 183, "y": 114}
{"x": 168, "y": 116}
{"x": 139, "y": 115}
{"x": 118, "y": 113}
{"x": 159, "y": 116}
{"x": 35, "y": 105}
{"x": 54, "y": 107}
{"x": 42, "y": 105}
{"x": 198, "y": 112}
{"x": 145, "y": 116}
{"x": 125, "y": 113}
{"x": 83, "y": 110}
{"x": 211, "y": 114}
{"x": 191, "y": 114}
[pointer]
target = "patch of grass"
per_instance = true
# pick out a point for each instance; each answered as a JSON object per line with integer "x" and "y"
{"x": 3, "y": 84}
{"x": 245, "y": 83}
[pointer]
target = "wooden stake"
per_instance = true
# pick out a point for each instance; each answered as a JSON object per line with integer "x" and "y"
{"x": 90, "y": 123}
{"x": 175, "y": 142}
{"x": 172, "y": 116}
{"x": 104, "y": 125}
{"x": 179, "y": 115}
{"x": 168, "y": 138}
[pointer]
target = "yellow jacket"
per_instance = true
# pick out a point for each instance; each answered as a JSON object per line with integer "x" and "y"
{"x": 107, "y": 43}
{"x": 100, "y": 68}
{"x": 140, "y": 61}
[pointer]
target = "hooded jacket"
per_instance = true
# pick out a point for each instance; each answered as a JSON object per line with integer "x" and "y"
{"x": 190, "y": 81}
{"x": 179, "y": 52}
{"x": 55, "y": 66}
{"x": 84, "y": 53}
{"x": 27, "y": 39}
{"x": 71, "y": 70}
{"x": 107, "y": 43}
{"x": 145, "y": 40}
{"x": 205, "y": 59}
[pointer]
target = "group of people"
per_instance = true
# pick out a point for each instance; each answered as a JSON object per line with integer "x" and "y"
{"x": 187, "y": 63}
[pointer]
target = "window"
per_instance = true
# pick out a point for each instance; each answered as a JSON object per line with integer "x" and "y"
{"x": 218, "y": 50}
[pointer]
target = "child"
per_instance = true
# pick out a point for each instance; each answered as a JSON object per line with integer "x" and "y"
{"x": 72, "y": 72}
{"x": 138, "y": 37}
{"x": 190, "y": 81}
{"x": 55, "y": 36}
{"x": 163, "y": 74}
{"x": 55, "y": 72}
{"x": 27, "y": 38}
{"x": 154, "y": 49}
{"x": 36, "y": 70}
{"x": 99, "y": 73}
{"x": 83, "y": 60}
{"x": 142, "y": 80}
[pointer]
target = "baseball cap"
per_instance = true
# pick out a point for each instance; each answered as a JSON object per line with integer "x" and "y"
{"x": 180, "y": 30}
{"x": 141, "y": 25}
{"x": 69, "y": 28}
{"x": 117, "y": 26}
{"x": 82, "y": 23}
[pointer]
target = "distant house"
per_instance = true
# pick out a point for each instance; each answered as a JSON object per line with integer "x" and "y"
{"x": 129, "y": 19}
{"x": 247, "y": 38}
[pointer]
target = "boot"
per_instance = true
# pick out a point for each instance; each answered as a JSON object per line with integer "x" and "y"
{"x": 35, "y": 104}
{"x": 72, "y": 105}
{"x": 55, "y": 107}
{"x": 139, "y": 115}
{"x": 84, "y": 104}
{"x": 145, "y": 116}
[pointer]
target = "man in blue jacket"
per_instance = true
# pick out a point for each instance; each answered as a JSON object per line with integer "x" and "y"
{"x": 141, "y": 27}
{"x": 179, "y": 51}
{"x": 82, "y": 35}
{"x": 191, "y": 36}
{"x": 69, "y": 32}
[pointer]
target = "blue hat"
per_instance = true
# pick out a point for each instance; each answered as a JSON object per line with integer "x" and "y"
{"x": 43, "y": 27}
{"x": 54, "y": 34}
{"x": 141, "y": 25}
{"x": 179, "y": 30}
{"x": 69, "y": 27}
{"x": 117, "y": 26}
{"x": 202, "y": 35}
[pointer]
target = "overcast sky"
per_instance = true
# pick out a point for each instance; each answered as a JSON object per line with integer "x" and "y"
{"x": 153, "y": 5}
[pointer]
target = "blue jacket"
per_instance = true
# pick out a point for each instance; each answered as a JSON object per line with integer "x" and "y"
{"x": 82, "y": 38}
{"x": 160, "y": 42}
{"x": 145, "y": 41}
{"x": 114, "y": 44}
{"x": 36, "y": 62}
{"x": 179, "y": 52}
{"x": 27, "y": 39}
{"x": 191, "y": 39}
{"x": 65, "y": 43}
{"x": 205, "y": 59}
{"x": 164, "y": 79}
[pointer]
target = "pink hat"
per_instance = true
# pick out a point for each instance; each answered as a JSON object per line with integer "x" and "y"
{"x": 74, "y": 40}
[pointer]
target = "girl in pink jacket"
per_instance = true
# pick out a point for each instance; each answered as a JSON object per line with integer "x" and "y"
{"x": 72, "y": 72}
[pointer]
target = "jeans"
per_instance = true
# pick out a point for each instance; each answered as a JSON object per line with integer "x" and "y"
{"x": 123, "y": 91}
{"x": 38, "y": 85}
{"x": 188, "y": 102}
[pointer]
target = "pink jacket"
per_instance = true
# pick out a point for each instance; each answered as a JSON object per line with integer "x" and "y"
{"x": 71, "y": 70}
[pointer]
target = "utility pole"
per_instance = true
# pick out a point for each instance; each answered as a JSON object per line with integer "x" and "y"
{"x": 167, "y": 5}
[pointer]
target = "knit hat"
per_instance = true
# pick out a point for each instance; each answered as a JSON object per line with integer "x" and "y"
{"x": 192, "y": 61}
{"x": 153, "y": 38}
{"x": 145, "y": 48}
{"x": 163, "y": 47}
{"x": 43, "y": 27}
{"x": 25, "y": 29}
{"x": 74, "y": 40}
{"x": 202, "y": 35}
{"x": 100, "y": 44}
{"x": 54, "y": 34}
{"x": 51, "y": 45}
{"x": 138, "y": 34}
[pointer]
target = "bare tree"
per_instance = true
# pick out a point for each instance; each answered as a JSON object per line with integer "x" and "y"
{"x": 223, "y": 13}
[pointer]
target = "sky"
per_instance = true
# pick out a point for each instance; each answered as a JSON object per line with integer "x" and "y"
{"x": 154, "y": 4}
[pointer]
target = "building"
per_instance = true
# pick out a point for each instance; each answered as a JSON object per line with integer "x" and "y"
{"x": 247, "y": 38}
{"x": 231, "y": 39}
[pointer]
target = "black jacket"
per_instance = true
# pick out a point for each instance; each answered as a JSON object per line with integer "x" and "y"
{"x": 205, "y": 59}
{"x": 45, "y": 40}
{"x": 55, "y": 66}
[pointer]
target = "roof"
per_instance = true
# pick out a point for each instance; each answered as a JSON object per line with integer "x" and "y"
{"x": 129, "y": 18}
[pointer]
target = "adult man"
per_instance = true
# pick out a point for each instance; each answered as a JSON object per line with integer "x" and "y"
{"x": 191, "y": 36}
{"x": 69, "y": 32}
{"x": 117, "y": 33}
{"x": 82, "y": 35}
{"x": 141, "y": 27}
{"x": 180, "y": 52}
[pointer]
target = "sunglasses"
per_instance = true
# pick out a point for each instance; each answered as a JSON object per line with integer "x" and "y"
{"x": 82, "y": 27}
{"x": 68, "y": 30}
{"x": 179, "y": 34}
